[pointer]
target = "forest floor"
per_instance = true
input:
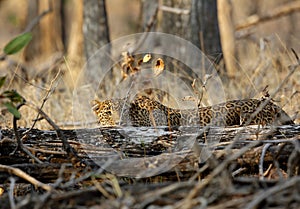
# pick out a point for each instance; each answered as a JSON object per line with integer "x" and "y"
{"x": 245, "y": 167}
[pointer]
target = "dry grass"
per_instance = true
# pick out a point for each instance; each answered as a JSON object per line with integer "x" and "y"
{"x": 269, "y": 68}
{"x": 263, "y": 60}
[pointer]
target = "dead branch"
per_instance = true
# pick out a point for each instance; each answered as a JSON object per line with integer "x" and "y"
{"x": 148, "y": 28}
{"x": 46, "y": 97}
{"x": 67, "y": 147}
{"x": 280, "y": 11}
{"x": 19, "y": 140}
{"x": 25, "y": 176}
{"x": 177, "y": 11}
{"x": 260, "y": 196}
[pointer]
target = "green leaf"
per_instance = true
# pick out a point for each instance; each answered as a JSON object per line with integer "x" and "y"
{"x": 2, "y": 80}
{"x": 12, "y": 109}
{"x": 13, "y": 96}
{"x": 17, "y": 43}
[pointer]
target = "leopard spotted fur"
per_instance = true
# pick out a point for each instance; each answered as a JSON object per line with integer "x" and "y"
{"x": 143, "y": 111}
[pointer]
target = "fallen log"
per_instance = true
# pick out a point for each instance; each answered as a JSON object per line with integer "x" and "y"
{"x": 156, "y": 149}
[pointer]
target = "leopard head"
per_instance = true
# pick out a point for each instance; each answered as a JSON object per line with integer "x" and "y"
{"x": 106, "y": 113}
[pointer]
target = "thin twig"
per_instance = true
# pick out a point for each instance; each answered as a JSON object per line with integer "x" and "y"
{"x": 15, "y": 127}
{"x": 100, "y": 188}
{"x": 45, "y": 197}
{"x": 177, "y": 11}
{"x": 293, "y": 160}
{"x": 21, "y": 146}
{"x": 236, "y": 202}
{"x": 261, "y": 160}
{"x": 25, "y": 176}
{"x": 89, "y": 174}
{"x": 48, "y": 93}
{"x": 149, "y": 26}
{"x": 200, "y": 185}
{"x": 11, "y": 192}
{"x": 280, "y": 11}
{"x": 37, "y": 19}
{"x": 24, "y": 69}
{"x": 67, "y": 147}
{"x": 153, "y": 195}
{"x": 296, "y": 55}
{"x": 260, "y": 196}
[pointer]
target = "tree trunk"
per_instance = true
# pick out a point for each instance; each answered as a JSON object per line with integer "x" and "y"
{"x": 47, "y": 36}
{"x": 73, "y": 38}
{"x": 95, "y": 28}
{"x": 205, "y": 28}
{"x": 96, "y": 35}
{"x": 173, "y": 23}
{"x": 148, "y": 10}
{"x": 200, "y": 26}
{"x": 227, "y": 30}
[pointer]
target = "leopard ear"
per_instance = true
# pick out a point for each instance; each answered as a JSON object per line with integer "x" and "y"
{"x": 95, "y": 105}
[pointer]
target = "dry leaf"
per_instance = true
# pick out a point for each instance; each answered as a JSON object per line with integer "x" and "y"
{"x": 159, "y": 67}
{"x": 147, "y": 57}
{"x": 140, "y": 61}
{"x": 189, "y": 98}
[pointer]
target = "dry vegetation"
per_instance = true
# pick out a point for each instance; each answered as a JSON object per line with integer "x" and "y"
{"x": 262, "y": 59}
{"x": 230, "y": 179}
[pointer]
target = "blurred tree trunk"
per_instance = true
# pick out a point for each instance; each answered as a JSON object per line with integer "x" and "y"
{"x": 95, "y": 26}
{"x": 73, "y": 37}
{"x": 227, "y": 30}
{"x": 96, "y": 35}
{"x": 148, "y": 11}
{"x": 195, "y": 21}
{"x": 200, "y": 26}
{"x": 173, "y": 23}
{"x": 205, "y": 29}
{"x": 177, "y": 24}
{"x": 47, "y": 36}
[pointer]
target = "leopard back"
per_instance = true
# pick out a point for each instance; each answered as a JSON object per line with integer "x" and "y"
{"x": 143, "y": 111}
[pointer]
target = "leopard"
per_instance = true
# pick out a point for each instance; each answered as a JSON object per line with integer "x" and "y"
{"x": 143, "y": 111}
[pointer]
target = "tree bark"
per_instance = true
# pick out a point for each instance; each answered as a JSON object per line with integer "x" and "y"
{"x": 173, "y": 23}
{"x": 96, "y": 35}
{"x": 148, "y": 10}
{"x": 205, "y": 28}
{"x": 47, "y": 36}
{"x": 73, "y": 37}
{"x": 95, "y": 26}
{"x": 227, "y": 30}
{"x": 200, "y": 26}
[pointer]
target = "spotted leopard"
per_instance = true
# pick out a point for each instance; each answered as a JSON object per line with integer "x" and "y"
{"x": 143, "y": 111}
